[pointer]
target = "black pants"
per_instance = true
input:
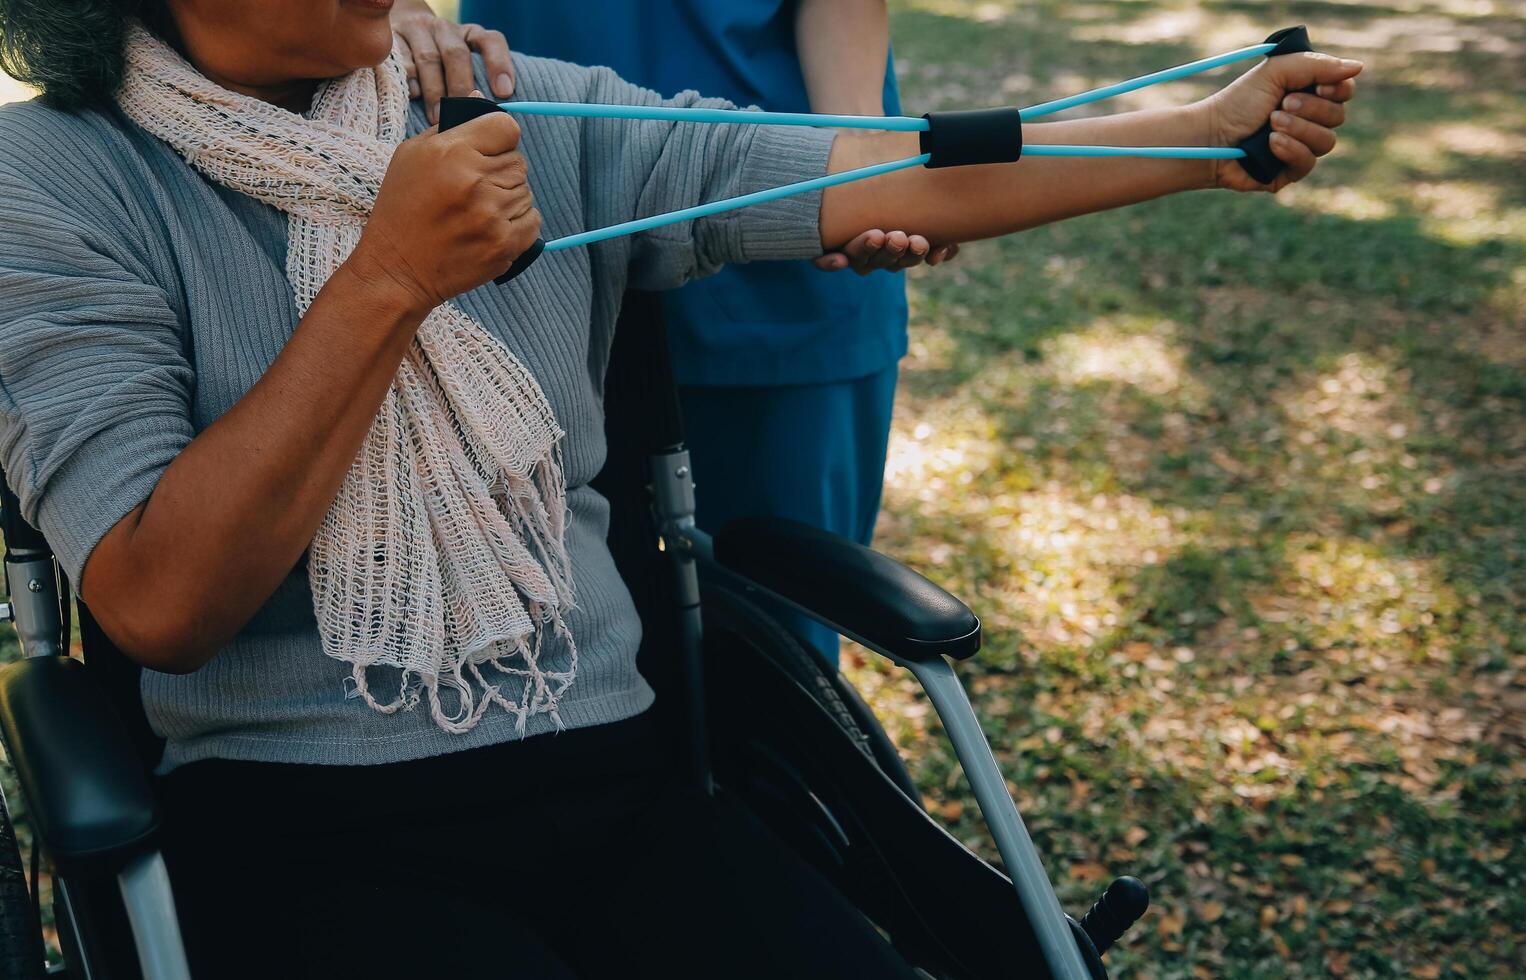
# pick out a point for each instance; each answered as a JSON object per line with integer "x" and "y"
{"x": 570, "y": 855}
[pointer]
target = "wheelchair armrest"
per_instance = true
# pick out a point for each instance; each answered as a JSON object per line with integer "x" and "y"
{"x": 863, "y": 592}
{"x": 86, "y": 790}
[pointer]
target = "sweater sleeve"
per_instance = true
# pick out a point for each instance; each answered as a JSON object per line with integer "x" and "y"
{"x": 95, "y": 384}
{"x": 659, "y": 167}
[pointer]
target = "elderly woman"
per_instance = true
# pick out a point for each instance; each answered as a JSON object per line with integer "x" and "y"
{"x": 328, "y": 483}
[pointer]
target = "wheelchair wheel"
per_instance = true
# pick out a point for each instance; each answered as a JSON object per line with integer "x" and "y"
{"x": 20, "y": 945}
{"x": 830, "y": 688}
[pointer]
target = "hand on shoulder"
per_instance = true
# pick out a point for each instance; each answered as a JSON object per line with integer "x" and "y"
{"x": 437, "y": 55}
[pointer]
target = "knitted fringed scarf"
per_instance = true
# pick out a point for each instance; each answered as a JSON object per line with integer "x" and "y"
{"x": 445, "y": 549}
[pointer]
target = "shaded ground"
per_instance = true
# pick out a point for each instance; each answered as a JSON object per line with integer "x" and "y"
{"x": 1237, "y": 486}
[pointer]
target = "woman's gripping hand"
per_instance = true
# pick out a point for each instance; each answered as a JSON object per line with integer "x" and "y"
{"x": 1303, "y": 124}
{"x": 454, "y": 211}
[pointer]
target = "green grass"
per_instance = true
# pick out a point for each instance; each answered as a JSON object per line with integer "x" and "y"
{"x": 1237, "y": 486}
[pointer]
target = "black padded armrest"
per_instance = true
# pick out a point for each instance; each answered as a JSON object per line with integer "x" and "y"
{"x": 854, "y": 587}
{"x": 86, "y": 789}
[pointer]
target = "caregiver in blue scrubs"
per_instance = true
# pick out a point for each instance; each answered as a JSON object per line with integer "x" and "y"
{"x": 787, "y": 374}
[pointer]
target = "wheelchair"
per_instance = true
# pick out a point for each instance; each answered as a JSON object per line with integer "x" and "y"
{"x": 754, "y": 716}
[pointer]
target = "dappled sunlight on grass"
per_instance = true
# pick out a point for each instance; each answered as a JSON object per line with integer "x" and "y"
{"x": 1357, "y": 397}
{"x": 1463, "y": 212}
{"x": 980, "y": 11}
{"x": 1206, "y": 30}
{"x": 1065, "y": 560}
{"x": 1238, "y": 487}
{"x": 1432, "y": 150}
{"x": 1474, "y": 139}
{"x": 1359, "y": 444}
{"x": 1468, "y": 213}
{"x": 1362, "y": 611}
{"x": 1402, "y": 35}
{"x": 1345, "y": 202}
{"x": 1140, "y": 353}
{"x": 932, "y": 460}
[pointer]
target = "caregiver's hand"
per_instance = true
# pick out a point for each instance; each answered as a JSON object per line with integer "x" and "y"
{"x": 893, "y": 250}
{"x": 1303, "y": 124}
{"x": 437, "y": 55}
{"x": 454, "y": 211}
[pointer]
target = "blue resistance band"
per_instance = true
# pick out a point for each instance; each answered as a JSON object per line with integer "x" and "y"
{"x": 948, "y": 139}
{"x": 894, "y": 124}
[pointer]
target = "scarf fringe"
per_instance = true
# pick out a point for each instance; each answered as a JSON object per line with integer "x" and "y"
{"x": 541, "y": 690}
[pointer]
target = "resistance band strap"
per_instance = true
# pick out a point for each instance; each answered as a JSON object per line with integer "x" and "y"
{"x": 454, "y": 112}
{"x": 1260, "y": 162}
{"x": 948, "y": 139}
{"x": 971, "y": 136}
{"x": 1145, "y": 81}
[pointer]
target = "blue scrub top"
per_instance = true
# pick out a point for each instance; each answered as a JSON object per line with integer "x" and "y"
{"x": 763, "y": 323}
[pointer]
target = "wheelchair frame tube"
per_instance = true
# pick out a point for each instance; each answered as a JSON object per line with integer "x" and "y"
{"x": 1017, "y": 851}
{"x": 32, "y": 580}
{"x": 673, "y": 501}
{"x": 145, "y": 884}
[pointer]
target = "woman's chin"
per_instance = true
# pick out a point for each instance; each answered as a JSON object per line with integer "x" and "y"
{"x": 366, "y": 49}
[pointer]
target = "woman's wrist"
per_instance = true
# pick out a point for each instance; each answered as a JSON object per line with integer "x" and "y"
{"x": 1200, "y": 124}
{"x": 1203, "y": 118}
{"x": 365, "y": 277}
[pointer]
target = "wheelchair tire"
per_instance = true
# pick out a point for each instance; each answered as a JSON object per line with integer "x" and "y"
{"x": 20, "y": 935}
{"x": 885, "y": 752}
{"x": 829, "y": 687}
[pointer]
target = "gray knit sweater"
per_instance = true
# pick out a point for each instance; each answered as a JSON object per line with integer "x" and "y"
{"x": 139, "y": 302}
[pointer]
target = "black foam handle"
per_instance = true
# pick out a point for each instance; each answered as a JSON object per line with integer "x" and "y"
{"x": 970, "y": 136}
{"x": 457, "y": 110}
{"x": 1260, "y": 162}
{"x": 1125, "y": 900}
{"x": 526, "y": 259}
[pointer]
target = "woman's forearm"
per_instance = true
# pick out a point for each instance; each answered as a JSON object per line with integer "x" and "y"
{"x": 958, "y": 204}
{"x": 232, "y": 515}
{"x": 843, "y": 47}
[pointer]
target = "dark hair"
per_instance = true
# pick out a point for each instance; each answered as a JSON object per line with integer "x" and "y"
{"x": 71, "y": 49}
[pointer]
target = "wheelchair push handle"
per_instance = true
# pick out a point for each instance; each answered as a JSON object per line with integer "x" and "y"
{"x": 454, "y": 112}
{"x": 1259, "y": 160}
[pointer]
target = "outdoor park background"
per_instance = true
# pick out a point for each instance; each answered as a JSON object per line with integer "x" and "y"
{"x": 1238, "y": 485}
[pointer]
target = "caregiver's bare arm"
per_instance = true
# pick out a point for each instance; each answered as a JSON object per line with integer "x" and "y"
{"x": 964, "y": 203}
{"x": 232, "y": 514}
{"x": 843, "y": 46}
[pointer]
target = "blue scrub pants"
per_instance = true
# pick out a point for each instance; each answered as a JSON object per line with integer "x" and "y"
{"x": 812, "y": 453}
